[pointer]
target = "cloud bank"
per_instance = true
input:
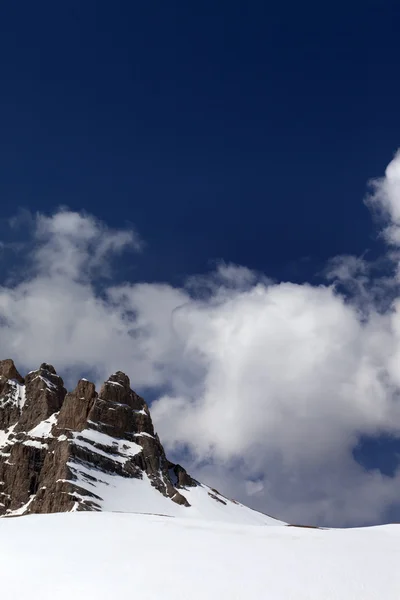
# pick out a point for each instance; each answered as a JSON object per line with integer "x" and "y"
{"x": 264, "y": 388}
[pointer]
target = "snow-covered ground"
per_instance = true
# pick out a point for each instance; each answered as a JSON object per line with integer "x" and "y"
{"x": 106, "y": 556}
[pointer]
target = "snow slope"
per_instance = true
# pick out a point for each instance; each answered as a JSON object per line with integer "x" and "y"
{"x": 99, "y": 556}
{"x": 123, "y": 494}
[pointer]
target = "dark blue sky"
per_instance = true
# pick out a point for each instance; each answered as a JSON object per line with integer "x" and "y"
{"x": 237, "y": 130}
{"x": 242, "y": 131}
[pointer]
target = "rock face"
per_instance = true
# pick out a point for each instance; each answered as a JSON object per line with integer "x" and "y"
{"x": 56, "y": 446}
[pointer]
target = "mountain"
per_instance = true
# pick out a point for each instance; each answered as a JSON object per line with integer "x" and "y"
{"x": 86, "y": 451}
{"x": 127, "y": 521}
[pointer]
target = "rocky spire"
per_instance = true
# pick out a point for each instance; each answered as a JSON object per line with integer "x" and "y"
{"x": 8, "y": 370}
{"x": 44, "y": 395}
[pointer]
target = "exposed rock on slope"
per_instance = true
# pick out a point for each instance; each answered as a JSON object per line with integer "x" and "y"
{"x": 56, "y": 448}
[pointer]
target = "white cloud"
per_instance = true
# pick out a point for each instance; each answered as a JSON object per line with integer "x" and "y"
{"x": 385, "y": 199}
{"x": 55, "y": 313}
{"x": 267, "y": 386}
{"x": 73, "y": 245}
{"x": 291, "y": 377}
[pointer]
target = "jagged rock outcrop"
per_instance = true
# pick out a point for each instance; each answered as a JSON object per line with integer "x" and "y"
{"x": 44, "y": 395}
{"x": 8, "y": 370}
{"x": 58, "y": 449}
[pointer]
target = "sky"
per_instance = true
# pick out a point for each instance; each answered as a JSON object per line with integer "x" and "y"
{"x": 199, "y": 194}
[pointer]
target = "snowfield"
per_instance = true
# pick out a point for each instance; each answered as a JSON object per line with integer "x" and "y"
{"x": 105, "y": 556}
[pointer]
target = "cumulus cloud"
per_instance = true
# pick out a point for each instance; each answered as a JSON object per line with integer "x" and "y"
{"x": 264, "y": 387}
{"x": 57, "y": 311}
{"x": 291, "y": 377}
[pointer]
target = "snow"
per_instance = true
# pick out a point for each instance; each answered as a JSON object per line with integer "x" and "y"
{"x": 4, "y": 436}
{"x": 204, "y": 505}
{"x": 90, "y": 447}
{"x": 43, "y": 429}
{"x": 109, "y": 555}
{"x": 20, "y": 511}
{"x": 126, "y": 449}
{"x": 35, "y": 444}
{"x": 135, "y": 495}
{"x": 21, "y": 395}
{"x": 114, "y": 383}
{"x": 104, "y": 439}
{"x": 141, "y": 412}
{"x": 48, "y": 383}
{"x": 18, "y": 393}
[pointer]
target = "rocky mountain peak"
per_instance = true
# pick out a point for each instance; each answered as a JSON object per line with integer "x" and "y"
{"x": 63, "y": 451}
{"x": 48, "y": 368}
{"x": 117, "y": 389}
{"x": 121, "y": 378}
{"x": 8, "y": 370}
